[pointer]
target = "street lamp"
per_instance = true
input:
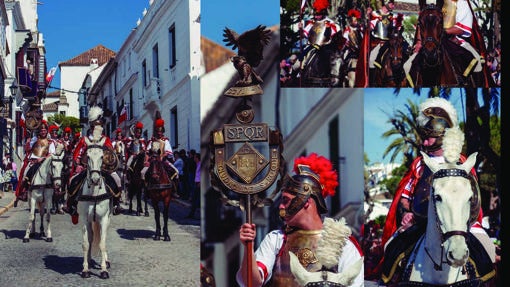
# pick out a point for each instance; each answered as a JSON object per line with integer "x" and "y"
{"x": 14, "y": 89}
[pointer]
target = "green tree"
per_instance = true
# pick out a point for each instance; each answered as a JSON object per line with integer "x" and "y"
{"x": 65, "y": 121}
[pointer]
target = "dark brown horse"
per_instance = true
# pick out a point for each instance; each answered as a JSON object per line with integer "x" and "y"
{"x": 136, "y": 184}
{"x": 159, "y": 188}
{"x": 440, "y": 59}
{"x": 389, "y": 64}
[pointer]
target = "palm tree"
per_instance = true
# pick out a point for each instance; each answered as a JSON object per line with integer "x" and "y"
{"x": 404, "y": 124}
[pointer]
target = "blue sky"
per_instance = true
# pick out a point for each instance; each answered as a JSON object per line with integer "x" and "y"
{"x": 380, "y": 102}
{"x": 239, "y": 16}
{"x": 71, "y": 27}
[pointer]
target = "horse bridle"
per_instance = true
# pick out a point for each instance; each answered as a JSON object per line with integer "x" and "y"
{"x": 445, "y": 235}
{"x": 429, "y": 39}
{"x": 55, "y": 159}
{"x": 94, "y": 170}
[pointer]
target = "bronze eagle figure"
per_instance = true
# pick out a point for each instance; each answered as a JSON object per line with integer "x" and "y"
{"x": 249, "y": 44}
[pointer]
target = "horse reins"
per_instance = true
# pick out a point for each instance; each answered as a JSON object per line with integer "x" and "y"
{"x": 429, "y": 39}
{"x": 445, "y": 235}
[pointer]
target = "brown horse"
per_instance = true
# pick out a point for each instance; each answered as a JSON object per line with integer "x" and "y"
{"x": 440, "y": 60}
{"x": 159, "y": 188}
{"x": 389, "y": 64}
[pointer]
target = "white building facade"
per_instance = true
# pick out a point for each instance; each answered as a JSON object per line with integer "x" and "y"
{"x": 156, "y": 69}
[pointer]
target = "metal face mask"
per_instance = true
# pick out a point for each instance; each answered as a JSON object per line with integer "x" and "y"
{"x": 439, "y": 121}
{"x": 303, "y": 185}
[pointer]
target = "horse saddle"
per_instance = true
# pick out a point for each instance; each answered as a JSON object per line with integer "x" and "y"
{"x": 77, "y": 182}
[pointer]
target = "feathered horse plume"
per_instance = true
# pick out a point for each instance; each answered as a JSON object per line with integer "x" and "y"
{"x": 453, "y": 140}
{"x": 334, "y": 237}
{"x": 323, "y": 168}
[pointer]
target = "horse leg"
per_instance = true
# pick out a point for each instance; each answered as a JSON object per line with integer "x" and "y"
{"x": 102, "y": 247}
{"x": 139, "y": 209}
{"x": 86, "y": 245}
{"x": 157, "y": 236}
{"x": 31, "y": 220}
{"x": 130, "y": 196}
{"x": 145, "y": 203}
{"x": 166, "y": 237}
{"x": 48, "y": 220}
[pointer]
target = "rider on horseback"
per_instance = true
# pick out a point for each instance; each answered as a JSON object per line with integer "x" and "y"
{"x": 458, "y": 22}
{"x": 135, "y": 144}
{"x": 381, "y": 20}
{"x": 318, "y": 31}
{"x": 437, "y": 116}
{"x": 112, "y": 179}
{"x": 37, "y": 149}
{"x": 165, "y": 152}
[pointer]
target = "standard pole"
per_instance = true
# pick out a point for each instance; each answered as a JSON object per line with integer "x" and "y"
{"x": 249, "y": 244}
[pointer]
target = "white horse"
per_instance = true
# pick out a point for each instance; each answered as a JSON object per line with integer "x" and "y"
{"x": 94, "y": 208}
{"x": 45, "y": 181}
{"x": 441, "y": 255}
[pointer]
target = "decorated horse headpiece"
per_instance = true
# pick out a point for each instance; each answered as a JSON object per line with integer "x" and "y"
{"x": 95, "y": 116}
{"x": 314, "y": 177}
{"x": 436, "y": 115}
{"x": 334, "y": 236}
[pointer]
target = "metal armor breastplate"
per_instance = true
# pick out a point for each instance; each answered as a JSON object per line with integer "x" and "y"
{"x": 303, "y": 243}
{"x": 421, "y": 193}
{"x": 135, "y": 147}
{"x": 41, "y": 148}
{"x": 449, "y": 13}
{"x": 161, "y": 147}
{"x": 317, "y": 34}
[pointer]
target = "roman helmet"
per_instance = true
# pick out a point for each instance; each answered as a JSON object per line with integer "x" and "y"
{"x": 320, "y": 7}
{"x": 436, "y": 115}
{"x": 52, "y": 128}
{"x": 159, "y": 123}
{"x": 314, "y": 177}
{"x": 44, "y": 124}
{"x": 68, "y": 131}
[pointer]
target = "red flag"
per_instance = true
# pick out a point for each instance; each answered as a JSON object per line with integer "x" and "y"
{"x": 123, "y": 115}
{"x": 50, "y": 75}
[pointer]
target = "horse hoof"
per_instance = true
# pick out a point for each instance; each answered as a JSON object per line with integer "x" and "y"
{"x": 31, "y": 235}
{"x": 25, "y": 240}
{"x": 85, "y": 274}
{"x": 146, "y": 214}
{"x": 104, "y": 275}
{"x": 49, "y": 239}
{"x": 138, "y": 213}
{"x": 167, "y": 238}
{"x": 157, "y": 238}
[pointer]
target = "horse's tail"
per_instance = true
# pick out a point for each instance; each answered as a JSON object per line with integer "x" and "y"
{"x": 96, "y": 238}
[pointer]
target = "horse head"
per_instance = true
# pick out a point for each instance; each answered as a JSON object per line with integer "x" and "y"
{"x": 324, "y": 277}
{"x": 452, "y": 208}
{"x": 56, "y": 166}
{"x": 430, "y": 23}
{"x": 95, "y": 151}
